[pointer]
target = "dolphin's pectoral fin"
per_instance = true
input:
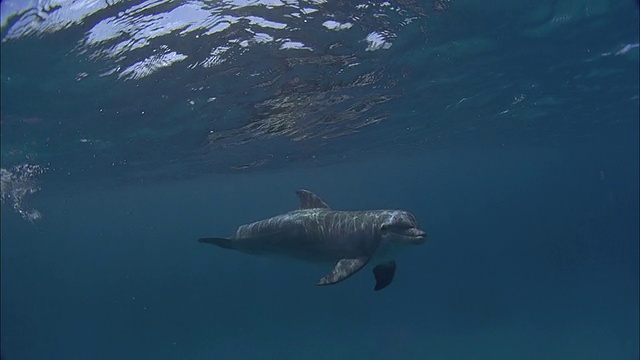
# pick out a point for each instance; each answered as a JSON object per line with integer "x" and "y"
{"x": 222, "y": 242}
{"x": 343, "y": 269}
{"x": 309, "y": 200}
{"x": 384, "y": 274}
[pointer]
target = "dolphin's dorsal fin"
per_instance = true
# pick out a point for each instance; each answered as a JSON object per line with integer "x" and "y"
{"x": 309, "y": 200}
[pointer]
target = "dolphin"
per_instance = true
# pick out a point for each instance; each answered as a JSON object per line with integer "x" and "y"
{"x": 315, "y": 232}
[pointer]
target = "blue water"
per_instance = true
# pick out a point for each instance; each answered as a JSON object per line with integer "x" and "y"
{"x": 131, "y": 129}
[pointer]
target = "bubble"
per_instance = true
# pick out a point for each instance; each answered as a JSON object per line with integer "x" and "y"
{"x": 16, "y": 184}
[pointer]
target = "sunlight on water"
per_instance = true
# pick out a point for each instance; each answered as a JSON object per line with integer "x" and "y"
{"x": 145, "y": 90}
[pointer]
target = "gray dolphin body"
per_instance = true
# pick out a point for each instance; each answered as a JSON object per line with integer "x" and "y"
{"x": 350, "y": 239}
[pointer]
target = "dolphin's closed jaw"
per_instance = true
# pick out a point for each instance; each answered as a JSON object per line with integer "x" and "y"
{"x": 419, "y": 236}
{"x": 417, "y": 232}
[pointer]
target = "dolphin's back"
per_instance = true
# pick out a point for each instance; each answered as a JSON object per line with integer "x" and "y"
{"x": 284, "y": 225}
{"x": 270, "y": 235}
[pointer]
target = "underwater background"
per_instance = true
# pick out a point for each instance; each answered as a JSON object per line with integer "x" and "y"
{"x": 132, "y": 128}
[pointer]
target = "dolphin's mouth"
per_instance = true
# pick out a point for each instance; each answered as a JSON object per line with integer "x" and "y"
{"x": 415, "y": 232}
{"x": 417, "y": 236}
{"x": 406, "y": 233}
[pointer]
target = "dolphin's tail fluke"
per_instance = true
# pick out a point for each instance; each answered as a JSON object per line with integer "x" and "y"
{"x": 222, "y": 242}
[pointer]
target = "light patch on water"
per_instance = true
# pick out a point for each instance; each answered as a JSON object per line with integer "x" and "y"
{"x": 262, "y": 38}
{"x": 150, "y": 65}
{"x": 48, "y": 16}
{"x": 376, "y": 41}
{"x": 17, "y": 183}
{"x": 216, "y": 57}
{"x": 140, "y": 29}
{"x": 256, "y": 20}
{"x": 221, "y": 26}
{"x": 334, "y": 25}
{"x": 626, "y": 48}
{"x": 296, "y": 45}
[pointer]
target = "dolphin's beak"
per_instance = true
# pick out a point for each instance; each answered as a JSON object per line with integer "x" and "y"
{"x": 418, "y": 235}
